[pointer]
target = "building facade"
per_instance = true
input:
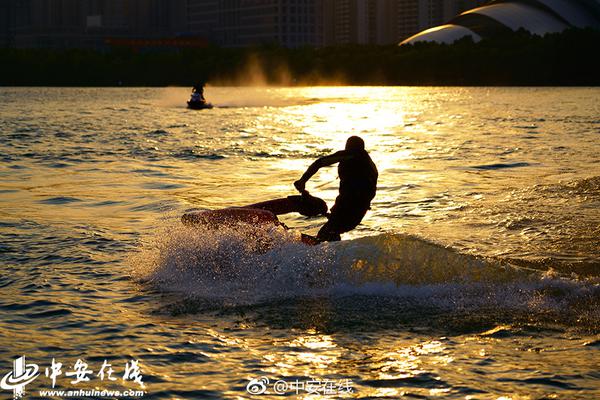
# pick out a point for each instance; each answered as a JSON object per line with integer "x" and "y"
{"x": 383, "y": 22}
{"x": 87, "y": 23}
{"x": 240, "y": 23}
{"x": 5, "y": 24}
{"x": 227, "y": 23}
{"x": 412, "y": 16}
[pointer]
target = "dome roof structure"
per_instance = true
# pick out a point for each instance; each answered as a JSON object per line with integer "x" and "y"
{"x": 504, "y": 16}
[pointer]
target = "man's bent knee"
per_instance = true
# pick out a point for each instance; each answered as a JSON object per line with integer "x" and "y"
{"x": 327, "y": 234}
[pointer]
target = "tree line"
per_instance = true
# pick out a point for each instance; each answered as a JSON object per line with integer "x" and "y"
{"x": 518, "y": 59}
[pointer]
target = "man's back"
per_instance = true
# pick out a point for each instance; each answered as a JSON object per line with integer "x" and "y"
{"x": 358, "y": 174}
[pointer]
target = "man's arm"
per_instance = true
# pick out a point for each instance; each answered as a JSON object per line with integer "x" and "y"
{"x": 321, "y": 162}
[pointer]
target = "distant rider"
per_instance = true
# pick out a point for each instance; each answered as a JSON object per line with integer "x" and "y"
{"x": 358, "y": 184}
{"x": 198, "y": 93}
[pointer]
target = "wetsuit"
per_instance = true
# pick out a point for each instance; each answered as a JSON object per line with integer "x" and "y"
{"x": 198, "y": 90}
{"x": 358, "y": 184}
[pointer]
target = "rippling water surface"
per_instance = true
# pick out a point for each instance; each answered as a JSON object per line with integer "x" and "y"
{"x": 475, "y": 275}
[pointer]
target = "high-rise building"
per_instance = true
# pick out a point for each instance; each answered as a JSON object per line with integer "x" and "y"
{"x": 6, "y": 23}
{"x": 88, "y": 23}
{"x": 383, "y": 21}
{"x": 407, "y": 17}
{"x": 203, "y": 18}
{"x": 228, "y": 23}
{"x": 236, "y": 23}
{"x": 48, "y": 23}
{"x": 355, "y": 21}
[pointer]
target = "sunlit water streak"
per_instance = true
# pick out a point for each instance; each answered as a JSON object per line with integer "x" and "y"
{"x": 474, "y": 274}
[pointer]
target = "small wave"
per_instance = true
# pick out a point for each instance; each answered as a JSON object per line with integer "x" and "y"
{"x": 421, "y": 380}
{"x": 150, "y": 172}
{"x": 555, "y": 382}
{"x": 501, "y": 166}
{"x": 593, "y": 343}
{"x": 157, "y": 132}
{"x": 59, "y": 165}
{"x": 49, "y": 313}
{"x": 587, "y": 186}
{"x": 157, "y": 206}
{"x": 526, "y": 127}
{"x": 162, "y": 186}
{"x": 59, "y": 200}
{"x": 189, "y": 154}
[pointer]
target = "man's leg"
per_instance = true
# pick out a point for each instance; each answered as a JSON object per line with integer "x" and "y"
{"x": 329, "y": 233}
{"x": 345, "y": 215}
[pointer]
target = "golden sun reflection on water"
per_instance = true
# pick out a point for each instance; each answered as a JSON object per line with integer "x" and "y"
{"x": 309, "y": 355}
{"x": 314, "y": 354}
{"x": 81, "y": 189}
{"x": 407, "y": 362}
{"x": 335, "y": 119}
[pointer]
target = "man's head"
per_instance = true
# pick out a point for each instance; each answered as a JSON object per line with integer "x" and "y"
{"x": 355, "y": 143}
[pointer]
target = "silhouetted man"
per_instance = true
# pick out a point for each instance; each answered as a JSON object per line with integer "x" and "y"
{"x": 198, "y": 92}
{"x": 358, "y": 184}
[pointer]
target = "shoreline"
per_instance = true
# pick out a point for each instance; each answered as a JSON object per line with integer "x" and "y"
{"x": 520, "y": 60}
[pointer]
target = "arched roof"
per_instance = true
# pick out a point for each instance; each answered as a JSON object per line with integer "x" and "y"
{"x": 443, "y": 34}
{"x": 570, "y": 11}
{"x": 501, "y": 16}
{"x": 516, "y": 16}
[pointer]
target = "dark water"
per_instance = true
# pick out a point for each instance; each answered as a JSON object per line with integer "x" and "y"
{"x": 475, "y": 275}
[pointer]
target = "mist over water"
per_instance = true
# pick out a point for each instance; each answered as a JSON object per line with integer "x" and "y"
{"x": 476, "y": 273}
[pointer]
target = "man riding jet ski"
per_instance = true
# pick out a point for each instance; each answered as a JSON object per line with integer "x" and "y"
{"x": 197, "y": 100}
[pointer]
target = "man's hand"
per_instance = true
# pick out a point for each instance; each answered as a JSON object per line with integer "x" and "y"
{"x": 299, "y": 184}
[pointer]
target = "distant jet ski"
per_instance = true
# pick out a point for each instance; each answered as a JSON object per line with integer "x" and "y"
{"x": 197, "y": 100}
{"x": 199, "y": 105}
{"x": 261, "y": 213}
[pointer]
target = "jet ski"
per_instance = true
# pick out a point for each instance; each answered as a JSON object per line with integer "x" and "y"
{"x": 197, "y": 100}
{"x": 199, "y": 105}
{"x": 261, "y": 213}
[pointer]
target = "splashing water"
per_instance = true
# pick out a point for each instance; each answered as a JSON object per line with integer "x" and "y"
{"x": 246, "y": 265}
{"x": 245, "y": 262}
